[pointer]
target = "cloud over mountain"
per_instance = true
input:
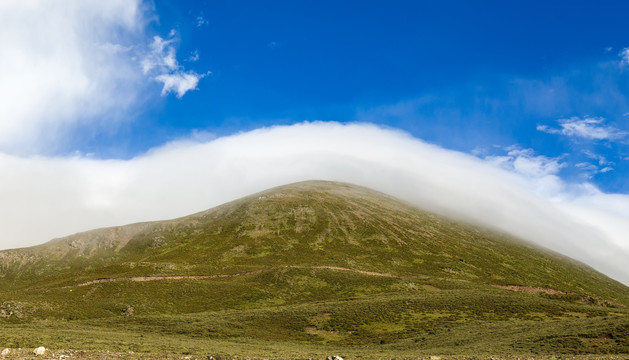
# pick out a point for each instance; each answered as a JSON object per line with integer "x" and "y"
{"x": 188, "y": 176}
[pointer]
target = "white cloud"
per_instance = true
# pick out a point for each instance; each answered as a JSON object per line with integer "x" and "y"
{"x": 587, "y": 166}
{"x": 587, "y": 128}
{"x": 599, "y": 158}
{"x": 178, "y": 82}
{"x": 524, "y": 162}
{"x": 624, "y": 57}
{"x": 161, "y": 63}
{"x": 67, "y": 65}
{"x": 590, "y": 170}
{"x": 63, "y": 63}
{"x": 194, "y": 56}
{"x": 162, "y": 56}
{"x": 200, "y": 20}
{"x": 65, "y": 195}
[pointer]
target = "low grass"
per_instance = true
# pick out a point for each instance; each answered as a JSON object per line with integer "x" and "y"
{"x": 400, "y": 324}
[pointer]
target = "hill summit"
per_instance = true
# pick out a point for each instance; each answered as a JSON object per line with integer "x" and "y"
{"x": 330, "y": 255}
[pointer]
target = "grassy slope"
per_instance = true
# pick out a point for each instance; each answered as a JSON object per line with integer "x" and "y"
{"x": 438, "y": 293}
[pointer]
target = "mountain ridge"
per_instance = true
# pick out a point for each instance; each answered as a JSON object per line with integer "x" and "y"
{"x": 336, "y": 263}
{"x": 114, "y": 242}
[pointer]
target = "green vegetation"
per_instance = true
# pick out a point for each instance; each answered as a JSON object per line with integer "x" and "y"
{"x": 308, "y": 270}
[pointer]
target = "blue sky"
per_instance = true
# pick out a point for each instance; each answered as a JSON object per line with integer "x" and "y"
{"x": 472, "y": 76}
{"x": 502, "y": 113}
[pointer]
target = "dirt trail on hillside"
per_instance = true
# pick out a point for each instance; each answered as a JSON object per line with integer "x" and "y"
{"x": 171, "y": 277}
{"x": 218, "y": 276}
{"x": 337, "y": 268}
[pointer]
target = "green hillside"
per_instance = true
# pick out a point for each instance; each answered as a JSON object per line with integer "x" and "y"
{"x": 304, "y": 270}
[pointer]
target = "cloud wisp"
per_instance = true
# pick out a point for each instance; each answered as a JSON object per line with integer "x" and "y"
{"x": 161, "y": 63}
{"x": 200, "y": 20}
{"x": 66, "y": 195}
{"x": 624, "y": 57}
{"x": 586, "y": 128}
{"x": 602, "y": 164}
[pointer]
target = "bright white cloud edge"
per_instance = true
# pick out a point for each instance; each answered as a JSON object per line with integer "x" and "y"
{"x": 69, "y": 64}
{"x": 50, "y": 197}
{"x": 63, "y": 63}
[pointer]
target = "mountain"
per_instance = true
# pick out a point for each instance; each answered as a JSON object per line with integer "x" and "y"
{"x": 304, "y": 267}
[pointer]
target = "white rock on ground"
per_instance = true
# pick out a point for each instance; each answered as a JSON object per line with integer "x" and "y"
{"x": 5, "y": 352}
{"x": 40, "y": 351}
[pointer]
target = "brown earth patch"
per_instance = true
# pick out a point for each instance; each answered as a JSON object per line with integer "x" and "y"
{"x": 531, "y": 289}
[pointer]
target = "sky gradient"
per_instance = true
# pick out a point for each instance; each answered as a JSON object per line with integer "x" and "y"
{"x": 532, "y": 97}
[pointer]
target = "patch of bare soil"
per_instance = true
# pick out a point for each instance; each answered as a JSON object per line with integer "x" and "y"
{"x": 530, "y": 289}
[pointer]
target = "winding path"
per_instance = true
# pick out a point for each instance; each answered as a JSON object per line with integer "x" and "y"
{"x": 218, "y": 276}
